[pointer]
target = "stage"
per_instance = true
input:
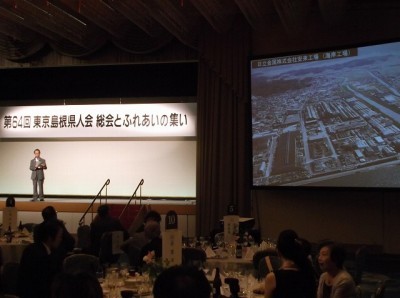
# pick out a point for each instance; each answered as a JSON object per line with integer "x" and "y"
{"x": 71, "y": 209}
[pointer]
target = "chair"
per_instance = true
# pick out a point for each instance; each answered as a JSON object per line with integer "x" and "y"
{"x": 83, "y": 235}
{"x": 260, "y": 255}
{"x": 9, "y": 278}
{"x": 81, "y": 263}
{"x": 380, "y": 291}
{"x": 267, "y": 265}
{"x": 356, "y": 267}
{"x": 107, "y": 254}
{"x": 219, "y": 238}
{"x": 358, "y": 292}
{"x": 193, "y": 257}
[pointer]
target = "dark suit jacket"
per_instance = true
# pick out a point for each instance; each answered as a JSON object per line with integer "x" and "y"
{"x": 154, "y": 245}
{"x": 67, "y": 243}
{"x": 36, "y": 271}
{"x": 38, "y": 173}
{"x": 101, "y": 225}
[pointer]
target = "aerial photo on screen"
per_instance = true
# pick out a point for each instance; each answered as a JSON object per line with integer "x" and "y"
{"x": 328, "y": 118}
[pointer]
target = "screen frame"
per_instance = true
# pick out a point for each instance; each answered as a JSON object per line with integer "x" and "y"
{"x": 277, "y": 54}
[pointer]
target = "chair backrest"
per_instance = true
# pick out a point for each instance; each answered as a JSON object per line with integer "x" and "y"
{"x": 77, "y": 263}
{"x": 267, "y": 265}
{"x": 107, "y": 253}
{"x": 262, "y": 254}
{"x": 358, "y": 292}
{"x": 380, "y": 292}
{"x": 219, "y": 238}
{"x": 9, "y": 278}
{"x": 360, "y": 261}
{"x": 193, "y": 257}
{"x": 83, "y": 235}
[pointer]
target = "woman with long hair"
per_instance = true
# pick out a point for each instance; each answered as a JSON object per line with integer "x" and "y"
{"x": 295, "y": 278}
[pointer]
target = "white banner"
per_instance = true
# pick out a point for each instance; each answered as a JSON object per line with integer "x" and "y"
{"x": 99, "y": 121}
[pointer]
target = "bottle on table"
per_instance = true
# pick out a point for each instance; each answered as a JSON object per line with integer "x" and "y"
{"x": 20, "y": 227}
{"x": 239, "y": 250}
{"x": 9, "y": 235}
{"x": 216, "y": 285}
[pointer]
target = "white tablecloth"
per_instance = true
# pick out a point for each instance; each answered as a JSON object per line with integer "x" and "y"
{"x": 12, "y": 252}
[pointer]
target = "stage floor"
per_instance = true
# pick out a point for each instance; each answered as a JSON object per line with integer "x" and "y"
{"x": 81, "y": 204}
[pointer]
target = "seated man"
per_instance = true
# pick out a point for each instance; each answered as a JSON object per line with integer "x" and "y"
{"x": 335, "y": 281}
{"x": 135, "y": 243}
{"x": 102, "y": 223}
{"x": 182, "y": 282}
{"x": 39, "y": 263}
{"x": 152, "y": 232}
{"x": 68, "y": 241}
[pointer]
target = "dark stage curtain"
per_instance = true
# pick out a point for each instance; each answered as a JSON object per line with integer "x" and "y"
{"x": 223, "y": 168}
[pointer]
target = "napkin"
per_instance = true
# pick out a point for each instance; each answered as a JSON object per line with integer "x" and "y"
{"x": 249, "y": 253}
{"x": 210, "y": 253}
{"x": 264, "y": 245}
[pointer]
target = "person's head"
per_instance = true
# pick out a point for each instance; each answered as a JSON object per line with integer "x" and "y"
{"x": 331, "y": 256}
{"x": 306, "y": 245}
{"x": 79, "y": 285}
{"x": 152, "y": 215}
{"x": 36, "y": 152}
{"x": 288, "y": 245}
{"x": 49, "y": 213}
{"x": 50, "y": 233}
{"x": 103, "y": 210}
{"x": 152, "y": 230}
{"x": 182, "y": 282}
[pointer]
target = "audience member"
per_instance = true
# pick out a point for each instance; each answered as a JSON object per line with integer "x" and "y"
{"x": 295, "y": 278}
{"x": 152, "y": 232}
{"x": 101, "y": 224}
{"x": 135, "y": 243}
{"x": 335, "y": 281}
{"x": 39, "y": 262}
{"x": 68, "y": 241}
{"x": 182, "y": 282}
{"x": 307, "y": 248}
{"x": 152, "y": 215}
{"x": 80, "y": 285}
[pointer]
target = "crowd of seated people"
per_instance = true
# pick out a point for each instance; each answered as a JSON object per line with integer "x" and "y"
{"x": 298, "y": 275}
{"x": 42, "y": 261}
{"x": 41, "y": 267}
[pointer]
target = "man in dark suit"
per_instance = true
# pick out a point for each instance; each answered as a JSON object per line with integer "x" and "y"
{"x": 103, "y": 223}
{"x": 68, "y": 241}
{"x": 39, "y": 263}
{"x": 37, "y": 166}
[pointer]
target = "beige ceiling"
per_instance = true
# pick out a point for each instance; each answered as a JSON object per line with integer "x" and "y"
{"x": 78, "y": 28}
